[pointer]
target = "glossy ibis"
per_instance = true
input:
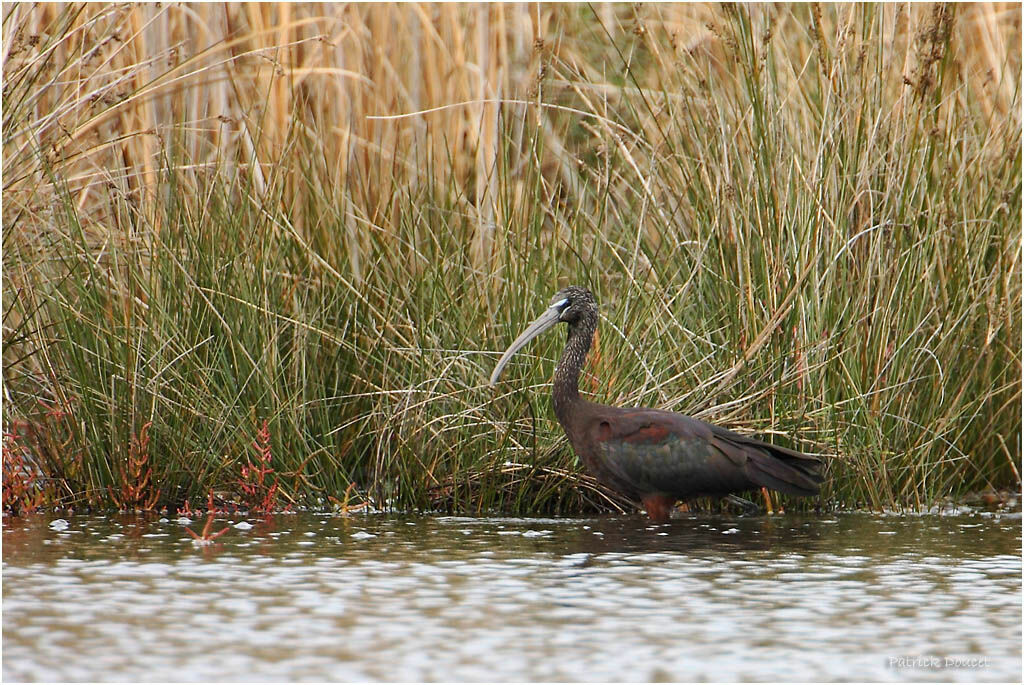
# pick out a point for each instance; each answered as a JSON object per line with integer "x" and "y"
{"x": 653, "y": 456}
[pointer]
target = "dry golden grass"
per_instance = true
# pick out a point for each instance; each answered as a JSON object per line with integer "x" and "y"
{"x": 239, "y": 82}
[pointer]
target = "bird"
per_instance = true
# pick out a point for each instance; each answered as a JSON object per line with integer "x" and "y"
{"x": 653, "y": 456}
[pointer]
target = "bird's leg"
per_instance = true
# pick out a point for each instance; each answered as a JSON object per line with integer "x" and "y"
{"x": 749, "y": 508}
{"x": 658, "y": 507}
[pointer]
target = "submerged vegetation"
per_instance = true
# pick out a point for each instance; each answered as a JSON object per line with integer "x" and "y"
{"x": 267, "y": 255}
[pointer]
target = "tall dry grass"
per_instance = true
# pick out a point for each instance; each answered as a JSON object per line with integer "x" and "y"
{"x": 802, "y": 219}
{"x": 242, "y": 85}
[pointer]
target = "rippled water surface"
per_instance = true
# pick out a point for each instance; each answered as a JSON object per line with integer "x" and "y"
{"x": 320, "y": 597}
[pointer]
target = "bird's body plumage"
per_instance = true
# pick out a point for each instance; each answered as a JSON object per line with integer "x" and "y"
{"x": 651, "y": 455}
{"x": 644, "y": 451}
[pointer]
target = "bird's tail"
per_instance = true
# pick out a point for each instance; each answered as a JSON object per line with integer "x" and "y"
{"x": 785, "y": 473}
{"x": 779, "y": 468}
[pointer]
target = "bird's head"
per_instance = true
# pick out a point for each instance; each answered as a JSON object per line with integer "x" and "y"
{"x": 569, "y": 305}
{"x": 574, "y": 303}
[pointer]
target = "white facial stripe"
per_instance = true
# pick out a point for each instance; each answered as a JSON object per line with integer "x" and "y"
{"x": 560, "y": 302}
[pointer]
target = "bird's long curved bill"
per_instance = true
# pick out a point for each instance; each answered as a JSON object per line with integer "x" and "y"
{"x": 543, "y": 322}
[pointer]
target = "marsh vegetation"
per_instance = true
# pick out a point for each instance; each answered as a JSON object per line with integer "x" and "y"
{"x": 267, "y": 255}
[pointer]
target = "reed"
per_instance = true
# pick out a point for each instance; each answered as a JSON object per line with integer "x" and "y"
{"x": 237, "y": 231}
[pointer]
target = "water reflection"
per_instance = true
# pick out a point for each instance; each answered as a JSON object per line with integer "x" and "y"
{"x": 319, "y": 597}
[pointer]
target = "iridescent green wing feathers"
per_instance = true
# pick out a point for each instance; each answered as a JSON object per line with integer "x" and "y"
{"x": 659, "y": 451}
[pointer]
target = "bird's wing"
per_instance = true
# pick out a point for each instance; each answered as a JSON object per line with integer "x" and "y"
{"x": 668, "y": 453}
{"x": 660, "y": 451}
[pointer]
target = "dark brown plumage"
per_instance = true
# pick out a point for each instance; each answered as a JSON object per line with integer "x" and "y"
{"x": 650, "y": 455}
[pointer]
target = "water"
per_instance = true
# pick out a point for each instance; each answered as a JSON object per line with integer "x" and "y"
{"x": 320, "y": 597}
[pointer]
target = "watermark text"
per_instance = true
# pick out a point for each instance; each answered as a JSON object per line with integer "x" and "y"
{"x": 937, "y": 662}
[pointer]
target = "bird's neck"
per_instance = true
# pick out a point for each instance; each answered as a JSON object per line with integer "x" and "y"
{"x": 567, "y": 374}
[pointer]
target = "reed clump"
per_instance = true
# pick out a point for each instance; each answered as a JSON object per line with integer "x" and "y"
{"x": 277, "y": 223}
